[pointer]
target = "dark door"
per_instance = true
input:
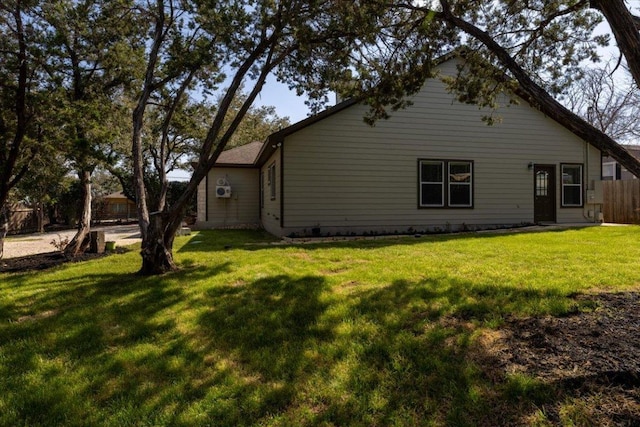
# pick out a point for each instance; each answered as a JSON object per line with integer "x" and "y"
{"x": 544, "y": 193}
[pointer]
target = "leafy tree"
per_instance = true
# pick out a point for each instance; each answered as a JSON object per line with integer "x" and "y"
{"x": 91, "y": 53}
{"x": 43, "y": 185}
{"x": 312, "y": 46}
{"x": 257, "y": 123}
{"x": 23, "y": 99}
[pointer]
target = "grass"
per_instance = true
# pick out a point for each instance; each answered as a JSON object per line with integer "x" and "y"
{"x": 377, "y": 332}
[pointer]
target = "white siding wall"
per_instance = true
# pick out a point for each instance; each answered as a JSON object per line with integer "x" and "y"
{"x": 241, "y": 209}
{"x": 271, "y": 211}
{"x": 346, "y": 176}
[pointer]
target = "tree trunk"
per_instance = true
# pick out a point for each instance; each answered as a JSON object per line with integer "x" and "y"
{"x": 52, "y": 212}
{"x": 623, "y": 26}
{"x": 4, "y": 226}
{"x": 40, "y": 216}
{"x": 138, "y": 174}
{"x": 81, "y": 240}
{"x": 157, "y": 248}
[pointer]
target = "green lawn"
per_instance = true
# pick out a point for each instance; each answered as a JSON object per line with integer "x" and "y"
{"x": 368, "y": 333}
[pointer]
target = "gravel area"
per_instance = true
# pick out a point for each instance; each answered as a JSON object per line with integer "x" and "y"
{"x": 30, "y": 244}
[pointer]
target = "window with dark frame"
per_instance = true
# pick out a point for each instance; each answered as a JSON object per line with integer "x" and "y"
{"x": 446, "y": 183}
{"x": 572, "y": 185}
{"x": 460, "y": 184}
{"x": 431, "y": 183}
{"x": 272, "y": 180}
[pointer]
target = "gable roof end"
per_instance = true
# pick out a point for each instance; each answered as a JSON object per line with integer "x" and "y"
{"x": 277, "y": 137}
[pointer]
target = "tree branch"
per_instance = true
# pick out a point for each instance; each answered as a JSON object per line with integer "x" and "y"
{"x": 536, "y": 95}
{"x": 625, "y": 29}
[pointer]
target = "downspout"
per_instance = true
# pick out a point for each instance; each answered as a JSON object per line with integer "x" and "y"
{"x": 586, "y": 204}
{"x": 281, "y": 144}
{"x": 585, "y": 191}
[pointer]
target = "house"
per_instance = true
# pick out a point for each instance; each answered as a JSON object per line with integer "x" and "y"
{"x": 115, "y": 206}
{"x": 434, "y": 166}
{"x": 613, "y": 171}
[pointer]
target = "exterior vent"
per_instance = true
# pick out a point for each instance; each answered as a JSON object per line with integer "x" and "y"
{"x": 223, "y": 191}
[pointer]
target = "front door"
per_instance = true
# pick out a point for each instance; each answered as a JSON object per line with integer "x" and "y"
{"x": 544, "y": 193}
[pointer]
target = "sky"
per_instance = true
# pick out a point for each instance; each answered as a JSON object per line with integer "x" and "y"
{"x": 287, "y": 103}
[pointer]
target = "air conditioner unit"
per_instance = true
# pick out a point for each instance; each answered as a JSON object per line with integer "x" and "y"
{"x": 223, "y": 191}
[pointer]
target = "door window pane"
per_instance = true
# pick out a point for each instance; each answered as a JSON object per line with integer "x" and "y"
{"x": 542, "y": 183}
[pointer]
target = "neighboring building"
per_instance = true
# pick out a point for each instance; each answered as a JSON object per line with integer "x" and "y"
{"x": 115, "y": 206}
{"x": 434, "y": 166}
{"x": 613, "y": 171}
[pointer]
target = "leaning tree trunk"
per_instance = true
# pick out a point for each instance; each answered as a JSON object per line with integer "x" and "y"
{"x": 4, "y": 227}
{"x": 624, "y": 29}
{"x": 157, "y": 248}
{"x": 81, "y": 240}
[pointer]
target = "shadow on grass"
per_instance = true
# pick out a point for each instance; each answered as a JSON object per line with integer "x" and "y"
{"x": 208, "y": 240}
{"x": 279, "y": 350}
{"x": 251, "y": 240}
{"x": 417, "y": 363}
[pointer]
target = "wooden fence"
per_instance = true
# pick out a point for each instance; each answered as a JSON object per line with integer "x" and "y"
{"x": 622, "y": 201}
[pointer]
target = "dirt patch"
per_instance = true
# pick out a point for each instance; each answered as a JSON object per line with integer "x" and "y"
{"x": 47, "y": 260}
{"x": 590, "y": 361}
{"x": 604, "y": 342}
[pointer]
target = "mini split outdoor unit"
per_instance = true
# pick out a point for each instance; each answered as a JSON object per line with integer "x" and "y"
{"x": 223, "y": 189}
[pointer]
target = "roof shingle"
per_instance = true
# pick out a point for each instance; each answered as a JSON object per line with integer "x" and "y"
{"x": 242, "y": 155}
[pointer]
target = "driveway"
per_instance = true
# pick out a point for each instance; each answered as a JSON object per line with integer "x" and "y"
{"x": 29, "y": 244}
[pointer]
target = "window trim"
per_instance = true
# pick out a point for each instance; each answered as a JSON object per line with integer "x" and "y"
{"x": 563, "y": 185}
{"x": 446, "y": 184}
